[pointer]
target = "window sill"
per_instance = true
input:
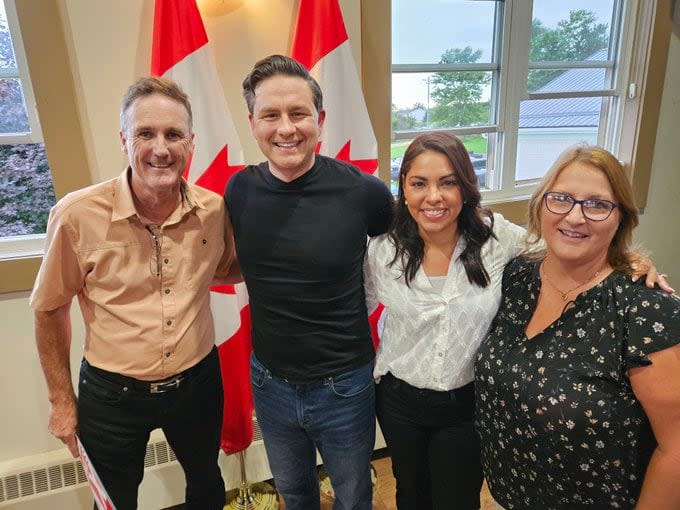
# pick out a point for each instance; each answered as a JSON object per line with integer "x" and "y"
{"x": 512, "y": 210}
{"x": 18, "y": 274}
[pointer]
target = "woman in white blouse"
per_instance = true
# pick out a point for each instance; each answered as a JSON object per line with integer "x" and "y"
{"x": 438, "y": 272}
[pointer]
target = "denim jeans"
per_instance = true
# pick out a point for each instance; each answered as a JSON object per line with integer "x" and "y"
{"x": 116, "y": 417}
{"x": 336, "y": 415}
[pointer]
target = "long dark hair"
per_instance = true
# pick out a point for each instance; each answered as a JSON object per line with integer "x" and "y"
{"x": 403, "y": 233}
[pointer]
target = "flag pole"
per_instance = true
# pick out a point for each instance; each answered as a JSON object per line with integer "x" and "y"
{"x": 257, "y": 496}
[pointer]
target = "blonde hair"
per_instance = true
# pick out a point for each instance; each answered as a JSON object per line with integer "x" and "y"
{"x": 620, "y": 248}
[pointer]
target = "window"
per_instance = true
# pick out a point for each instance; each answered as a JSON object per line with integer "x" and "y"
{"x": 517, "y": 82}
{"x": 26, "y": 190}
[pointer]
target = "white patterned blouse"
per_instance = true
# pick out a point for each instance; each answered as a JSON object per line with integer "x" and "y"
{"x": 430, "y": 337}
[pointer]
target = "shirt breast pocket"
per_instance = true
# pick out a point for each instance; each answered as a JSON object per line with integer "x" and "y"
{"x": 200, "y": 254}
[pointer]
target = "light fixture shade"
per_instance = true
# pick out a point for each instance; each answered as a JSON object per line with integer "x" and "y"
{"x": 214, "y": 8}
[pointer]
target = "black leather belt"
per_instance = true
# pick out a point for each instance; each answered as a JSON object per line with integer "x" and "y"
{"x": 162, "y": 386}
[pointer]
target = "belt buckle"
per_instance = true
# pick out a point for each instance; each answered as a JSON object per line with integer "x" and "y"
{"x": 167, "y": 385}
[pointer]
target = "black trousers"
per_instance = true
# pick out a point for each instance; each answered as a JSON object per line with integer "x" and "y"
{"x": 434, "y": 447}
{"x": 116, "y": 414}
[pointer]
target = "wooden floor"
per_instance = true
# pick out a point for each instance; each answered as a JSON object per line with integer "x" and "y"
{"x": 384, "y": 491}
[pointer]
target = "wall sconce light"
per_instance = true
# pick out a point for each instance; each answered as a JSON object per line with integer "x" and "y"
{"x": 218, "y": 7}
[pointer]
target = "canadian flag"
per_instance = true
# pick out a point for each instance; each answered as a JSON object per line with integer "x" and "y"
{"x": 181, "y": 52}
{"x": 321, "y": 44}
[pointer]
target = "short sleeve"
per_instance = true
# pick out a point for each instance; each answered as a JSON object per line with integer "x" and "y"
{"x": 227, "y": 257}
{"x": 653, "y": 324}
{"x": 369, "y": 277}
{"x": 60, "y": 276}
{"x": 380, "y": 206}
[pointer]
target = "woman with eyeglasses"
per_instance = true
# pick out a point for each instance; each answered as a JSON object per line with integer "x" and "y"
{"x": 438, "y": 272}
{"x": 578, "y": 380}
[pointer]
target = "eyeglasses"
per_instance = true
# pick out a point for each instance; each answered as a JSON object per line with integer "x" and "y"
{"x": 155, "y": 259}
{"x": 595, "y": 209}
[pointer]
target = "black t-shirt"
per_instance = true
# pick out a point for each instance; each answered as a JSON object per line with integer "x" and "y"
{"x": 301, "y": 246}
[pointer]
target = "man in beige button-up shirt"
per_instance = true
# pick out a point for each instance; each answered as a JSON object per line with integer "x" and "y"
{"x": 139, "y": 252}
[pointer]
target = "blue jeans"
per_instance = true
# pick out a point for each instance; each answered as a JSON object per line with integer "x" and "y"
{"x": 116, "y": 415}
{"x": 336, "y": 415}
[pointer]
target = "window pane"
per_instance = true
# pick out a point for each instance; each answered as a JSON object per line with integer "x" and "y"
{"x": 548, "y": 126}
{"x": 573, "y": 30}
{"x": 7, "y": 60}
{"x": 563, "y": 80}
{"x": 476, "y": 145}
{"x": 13, "y": 117}
{"x": 422, "y": 31}
{"x": 26, "y": 192}
{"x": 441, "y": 100}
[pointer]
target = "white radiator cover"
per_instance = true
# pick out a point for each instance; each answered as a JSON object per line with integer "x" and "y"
{"x": 56, "y": 481}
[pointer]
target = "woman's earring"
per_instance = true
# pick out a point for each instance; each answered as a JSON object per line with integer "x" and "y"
{"x": 405, "y": 202}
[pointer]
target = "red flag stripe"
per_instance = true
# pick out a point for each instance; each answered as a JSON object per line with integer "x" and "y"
{"x": 237, "y": 428}
{"x": 219, "y": 172}
{"x": 177, "y": 29}
{"x": 308, "y": 47}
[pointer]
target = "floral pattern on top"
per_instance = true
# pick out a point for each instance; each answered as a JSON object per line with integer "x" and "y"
{"x": 559, "y": 424}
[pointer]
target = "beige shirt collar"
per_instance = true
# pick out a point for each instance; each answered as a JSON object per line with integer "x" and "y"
{"x": 124, "y": 205}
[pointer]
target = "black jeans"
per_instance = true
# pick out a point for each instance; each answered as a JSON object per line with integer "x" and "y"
{"x": 116, "y": 414}
{"x": 434, "y": 447}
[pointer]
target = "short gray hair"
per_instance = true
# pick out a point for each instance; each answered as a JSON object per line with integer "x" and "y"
{"x": 149, "y": 85}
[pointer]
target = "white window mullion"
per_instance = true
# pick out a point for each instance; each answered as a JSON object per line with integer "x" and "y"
{"x": 514, "y": 76}
{"x": 35, "y": 135}
{"x": 634, "y": 60}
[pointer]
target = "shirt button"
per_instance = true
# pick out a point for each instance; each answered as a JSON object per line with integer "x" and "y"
{"x": 205, "y": 241}
{"x": 167, "y": 354}
{"x": 168, "y": 323}
{"x": 440, "y": 354}
{"x": 167, "y": 291}
{"x": 166, "y": 261}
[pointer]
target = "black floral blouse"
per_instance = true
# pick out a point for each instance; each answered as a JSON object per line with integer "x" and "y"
{"x": 559, "y": 424}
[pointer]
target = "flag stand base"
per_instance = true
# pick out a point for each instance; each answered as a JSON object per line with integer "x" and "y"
{"x": 255, "y": 496}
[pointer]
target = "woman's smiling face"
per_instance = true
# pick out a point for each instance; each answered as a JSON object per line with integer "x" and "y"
{"x": 432, "y": 194}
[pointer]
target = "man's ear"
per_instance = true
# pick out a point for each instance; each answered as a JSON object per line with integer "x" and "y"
{"x": 322, "y": 118}
{"x": 123, "y": 141}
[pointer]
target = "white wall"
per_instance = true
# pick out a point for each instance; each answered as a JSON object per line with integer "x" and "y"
{"x": 658, "y": 230}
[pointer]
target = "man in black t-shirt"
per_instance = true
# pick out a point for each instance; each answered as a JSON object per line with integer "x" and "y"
{"x": 300, "y": 225}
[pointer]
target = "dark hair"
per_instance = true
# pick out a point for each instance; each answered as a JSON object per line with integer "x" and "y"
{"x": 149, "y": 85}
{"x": 274, "y": 65}
{"x": 404, "y": 229}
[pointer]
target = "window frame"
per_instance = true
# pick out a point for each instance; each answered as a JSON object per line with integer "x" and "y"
{"x": 21, "y": 73}
{"x": 54, "y": 91}
{"x": 642, "y": 51}
{"x": 26, "y": 245}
